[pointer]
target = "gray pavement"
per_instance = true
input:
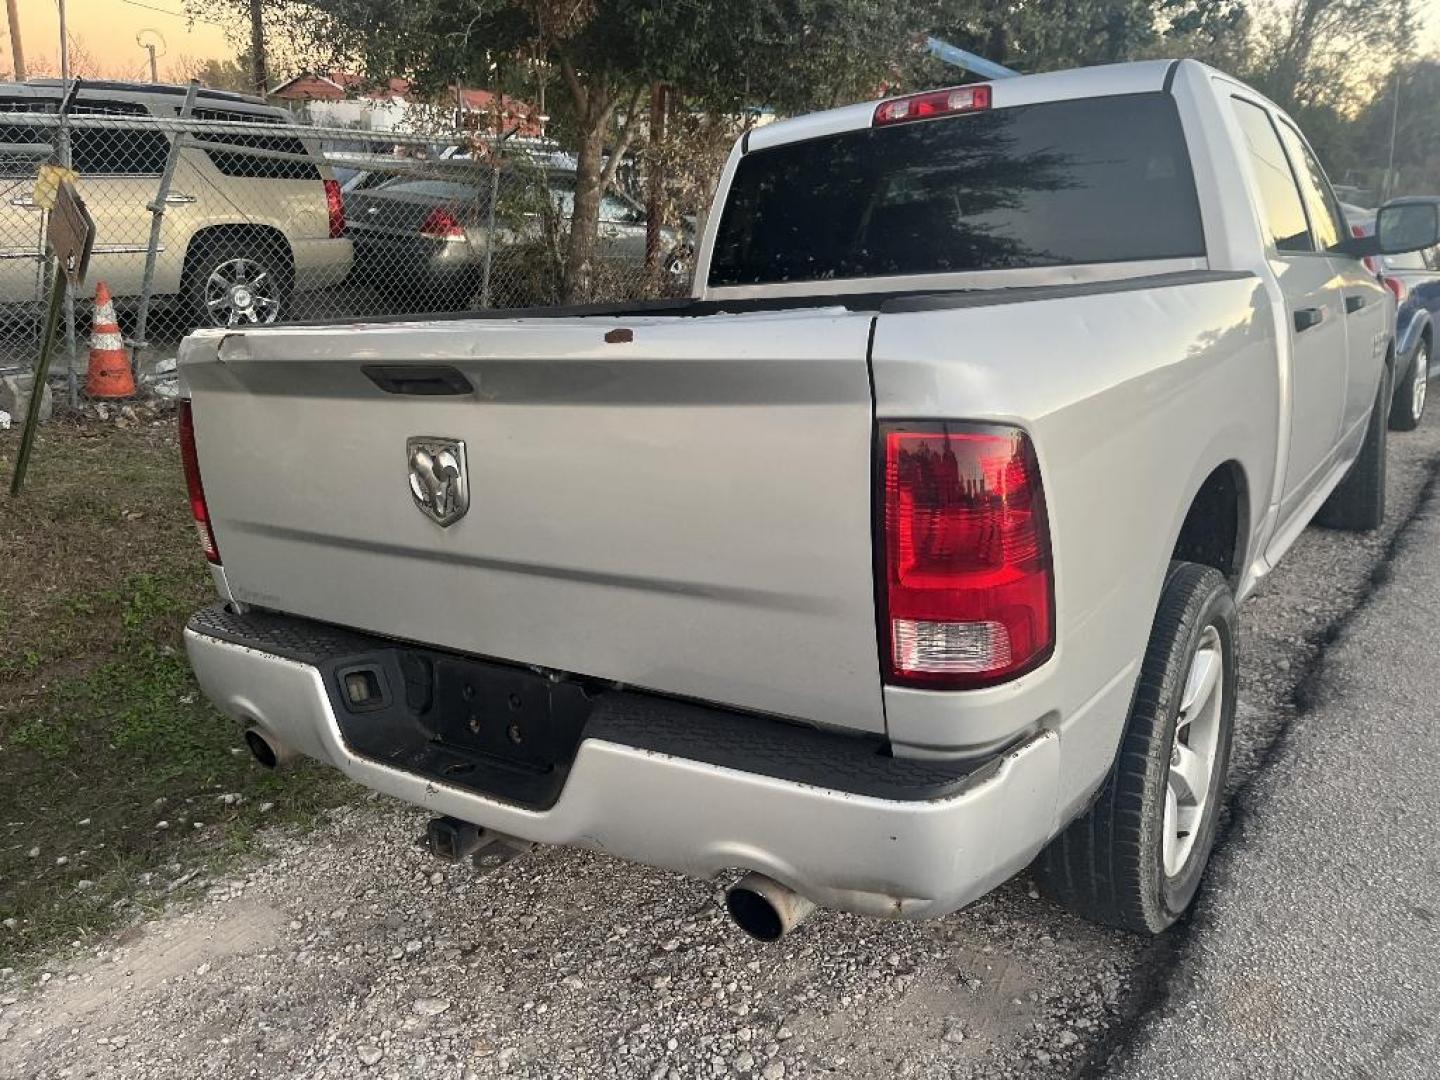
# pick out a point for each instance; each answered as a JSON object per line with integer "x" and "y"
{"x": 1316, "y": 949}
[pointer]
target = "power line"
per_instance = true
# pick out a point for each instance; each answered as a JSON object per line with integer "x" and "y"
{"x": 171, "y": 11}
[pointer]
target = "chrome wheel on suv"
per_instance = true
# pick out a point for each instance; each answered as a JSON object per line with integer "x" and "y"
{"x": 241, "y": 290}
{"x": 237, "y": 280}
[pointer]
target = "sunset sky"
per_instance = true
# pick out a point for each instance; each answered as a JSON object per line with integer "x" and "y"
{"x": 106, "y": 29}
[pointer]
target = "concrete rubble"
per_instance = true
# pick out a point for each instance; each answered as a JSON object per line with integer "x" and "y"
{"x": 15, "y": 390}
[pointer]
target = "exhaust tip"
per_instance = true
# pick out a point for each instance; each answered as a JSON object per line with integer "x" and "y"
{"x": 765, "y": 909}
{"x": 266, "y": 750}
{"x": 754, "y": 914}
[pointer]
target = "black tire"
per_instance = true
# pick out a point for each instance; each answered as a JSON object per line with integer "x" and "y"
{"x": 1109, "y": 864}
{"x": 258, "y": 252}
{"x": 1404, "y": 415}
{"x": 1358, "y": 504}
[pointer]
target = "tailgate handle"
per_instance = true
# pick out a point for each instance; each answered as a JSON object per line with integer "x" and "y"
{"x": 417, "y": 380}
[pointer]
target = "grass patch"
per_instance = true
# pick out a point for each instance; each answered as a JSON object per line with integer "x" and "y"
{"x": 104, "y": 734}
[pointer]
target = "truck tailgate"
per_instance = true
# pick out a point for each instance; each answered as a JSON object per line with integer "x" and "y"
{"x": 688, "y": 511}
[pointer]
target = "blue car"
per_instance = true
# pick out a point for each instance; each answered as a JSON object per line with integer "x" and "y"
{"x": 1415, "y": 281}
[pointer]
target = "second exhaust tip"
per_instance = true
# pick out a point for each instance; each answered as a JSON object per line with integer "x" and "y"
{"x": 765, "y": 909}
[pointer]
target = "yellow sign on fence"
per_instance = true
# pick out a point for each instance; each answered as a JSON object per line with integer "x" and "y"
{"x": 47, "y": 184}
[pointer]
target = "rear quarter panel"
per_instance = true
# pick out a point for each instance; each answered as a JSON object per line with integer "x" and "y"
{"x": 1132, "y": 398}
{"x": 297, "y": 209}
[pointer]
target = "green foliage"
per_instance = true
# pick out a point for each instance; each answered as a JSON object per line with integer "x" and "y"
{"x": 118, "y": 747}
{"x": 1046, "y": 35}
{"x": 235, "y": 74}
{"x": 1319, "y": 59}
{"x": 1310, "y": 54}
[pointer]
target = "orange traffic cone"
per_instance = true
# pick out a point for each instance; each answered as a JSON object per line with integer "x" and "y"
{"x": 109, "y": 375}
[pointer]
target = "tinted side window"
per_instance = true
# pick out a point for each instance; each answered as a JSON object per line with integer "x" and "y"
{"x": 252, "y": 166}
{"x": 1325, "y": 220}
{"x": 19, "y": 164}
{"x": 1280, "y": 203}
{"x": 1053, "y": 184}
{"x": 118, "y": 151}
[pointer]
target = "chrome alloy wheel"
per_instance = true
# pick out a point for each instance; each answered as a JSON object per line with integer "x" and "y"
{"x": 1192, "y": 755}
{"x": 1421, "y": 382}
{"x": 241, "y": 290}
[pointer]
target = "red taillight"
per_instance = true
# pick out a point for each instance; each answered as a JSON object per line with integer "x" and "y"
{"x": 957, "y": 99}
{"x": 1396, "y": 286}
{"x": 335, "y": 204}
{"x": 191, "y": 460}
{"x": 968, "y": 587}
{"x": 440, "y": 224}
{"x": 1371, "y": 263}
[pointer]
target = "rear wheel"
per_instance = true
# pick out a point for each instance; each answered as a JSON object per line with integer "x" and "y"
{"x": 1358, "y": 504}
{"x": 1409, "y": 406}
{"x": 1136, "y": 857}
{"x": 237, "y": 280}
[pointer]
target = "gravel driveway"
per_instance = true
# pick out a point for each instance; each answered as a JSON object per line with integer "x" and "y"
{"x": 349, "y": 952}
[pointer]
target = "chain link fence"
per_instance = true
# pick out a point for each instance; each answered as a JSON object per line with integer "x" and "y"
{"x": 271, "y": 222}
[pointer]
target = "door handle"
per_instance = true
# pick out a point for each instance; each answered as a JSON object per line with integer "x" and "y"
{"x": 1354, "y": 304}
{"x": 172, "y": 198}
{"x": 1308, "y": 317}
{"x": 25, "y": 202}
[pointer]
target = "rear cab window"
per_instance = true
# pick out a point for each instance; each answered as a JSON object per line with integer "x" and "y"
{"x": 1051, "y": 184}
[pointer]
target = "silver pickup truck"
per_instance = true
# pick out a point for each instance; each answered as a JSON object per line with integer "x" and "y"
{"x": 903, "y": 554}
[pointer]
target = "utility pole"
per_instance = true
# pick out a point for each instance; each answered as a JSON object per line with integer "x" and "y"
{"x": 257, "y": 49}
{"x": 16, "y": 50}
{"x": 154, "y": 42}
{"x": 64, "y": 51}
{"x": 1388, "y": 188}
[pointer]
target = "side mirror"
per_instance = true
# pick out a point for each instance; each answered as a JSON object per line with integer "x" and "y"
{"x": 1402, "y": 225}
{"x": 1408, "y": 225}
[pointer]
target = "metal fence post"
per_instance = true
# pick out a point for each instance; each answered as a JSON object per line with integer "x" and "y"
{"x": 490, "y": 217}
{"x": 72, "y": 383}
{"x": 157, "y": 217}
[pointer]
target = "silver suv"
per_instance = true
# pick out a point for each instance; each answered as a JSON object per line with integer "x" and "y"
{"x": 242, "y": 231}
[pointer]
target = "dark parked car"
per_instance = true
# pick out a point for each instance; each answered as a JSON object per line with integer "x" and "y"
{"x": 1415, "y": 281}
{"x": 425, "y": 235}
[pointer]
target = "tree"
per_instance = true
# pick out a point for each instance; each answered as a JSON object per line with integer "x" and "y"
{"x": 608, "y": 52}
{"x": 1416, "y": 129}
{"x": 216, "y": 74}
{"x": 1046, "y": 35}
{"x": 1314, "y": 55}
